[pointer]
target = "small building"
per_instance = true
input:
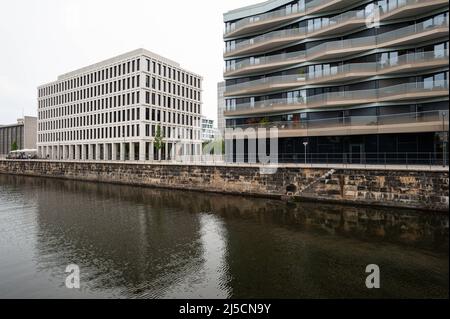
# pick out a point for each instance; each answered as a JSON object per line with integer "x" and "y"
{"x": 23, "y": 134}
{"x": 209, "y": 133}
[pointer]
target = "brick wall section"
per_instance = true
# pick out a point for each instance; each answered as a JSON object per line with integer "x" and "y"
{"x": 410, "y": 189}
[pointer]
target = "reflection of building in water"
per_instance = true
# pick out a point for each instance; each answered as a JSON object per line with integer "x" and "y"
{"x": 124, "y": 237}
{"x": 144, "y": 242}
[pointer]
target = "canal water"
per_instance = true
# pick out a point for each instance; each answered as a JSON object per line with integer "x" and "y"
{"x": 132, "y": 242}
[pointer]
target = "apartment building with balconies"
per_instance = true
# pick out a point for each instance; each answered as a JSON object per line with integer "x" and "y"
{"x": 116, "y": 109}
{"x": 343, "y": 80}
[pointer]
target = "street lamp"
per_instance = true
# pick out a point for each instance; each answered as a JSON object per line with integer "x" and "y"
{"x": 444, "y": 140}
{"x": 306, "y": 146}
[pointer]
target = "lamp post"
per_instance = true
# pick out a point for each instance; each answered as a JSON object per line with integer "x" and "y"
{"x": 444, "y": 139}
{"x": 306, "y": 147}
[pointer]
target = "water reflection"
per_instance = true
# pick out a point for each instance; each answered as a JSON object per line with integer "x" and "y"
{"x": 146, "y": 243}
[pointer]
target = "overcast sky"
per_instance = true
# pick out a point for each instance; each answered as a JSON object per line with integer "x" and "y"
{"x": 41, "y": 39}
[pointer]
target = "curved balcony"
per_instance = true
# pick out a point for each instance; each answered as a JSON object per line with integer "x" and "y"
{"x": 338, "y": 24}
{"x": 407, "y": 8}
{"x": 415, "y": 122}
{"x": 274, "y": 18}
{"x": 267, "y": 41}
{"x": 263, "y": 85}
{"x": 393, "y": 10}
{"x": 341, "y": 48}
{"x": 401, "y": 92}
{"x": 406, "y": 63}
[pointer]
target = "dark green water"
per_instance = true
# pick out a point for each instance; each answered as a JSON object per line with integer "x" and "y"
{"x": 132, "y": 242}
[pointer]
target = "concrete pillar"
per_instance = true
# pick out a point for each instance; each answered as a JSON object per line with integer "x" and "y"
{"x": 83, "y": 152}
{"x": 122, "y": 151}
{"x": 166, "y": 151}
{"x": 97, "y": 152}
{"x": 172, "y": 152}
{"x": 132, "y": 151}
{"x": 142, "y": 150}
{"x": 150, "y": 151}
{"x": 114, "y": 151}
{"x": 106, "y": 151}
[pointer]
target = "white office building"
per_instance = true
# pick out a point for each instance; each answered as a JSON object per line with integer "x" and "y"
{"x": 118, "y": 108}
{"x": 209, "y": 132}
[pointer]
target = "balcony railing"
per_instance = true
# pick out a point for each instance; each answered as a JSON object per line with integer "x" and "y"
{"x": 350, "y": 44}
{"x": 267, "y": 82}
{"x": 334, "y": 22}
{"x": 347, "y": 97}
{"x": 312, "y": 6}
{"x": 364, "y": 69}
{"x": 276, "y": 35}
{"x": 355, "y": 122}
{"x": 282, "y": 14}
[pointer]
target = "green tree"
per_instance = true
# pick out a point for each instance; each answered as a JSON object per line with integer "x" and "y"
{"x": 159, "y": 140}
{"x": 264, "y": 121}
{"x": 14, "y": 146}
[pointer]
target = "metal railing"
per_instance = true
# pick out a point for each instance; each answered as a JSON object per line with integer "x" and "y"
{"x": 367, "y": 122}
{"x": 358, "y": 96}
{"x": 311, "y": 6}
{"x": 356, "y": 43}
{"x": 359, "y": 159}
{"x": 366, "y": 69}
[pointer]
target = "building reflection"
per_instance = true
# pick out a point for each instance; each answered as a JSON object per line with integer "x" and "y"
{"x": 154, "y": 243}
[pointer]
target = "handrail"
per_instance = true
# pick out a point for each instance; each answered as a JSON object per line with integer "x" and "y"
{"x": 342, "y": 70}
{"x": 351, "y": 121}
{"x": 311, "y": 6}
{"x": 339, "y": 44}
{"x": 371, "y": 95}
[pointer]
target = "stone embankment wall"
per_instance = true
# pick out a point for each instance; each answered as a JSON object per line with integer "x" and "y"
{"x": 396, "y": 188}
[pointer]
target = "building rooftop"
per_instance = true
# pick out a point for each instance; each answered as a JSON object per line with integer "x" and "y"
{"x": 134, "y": 53}
{"x": 20, "y": 121}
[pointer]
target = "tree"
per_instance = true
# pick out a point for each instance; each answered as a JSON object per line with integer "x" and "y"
{"x": 264, "y": 121}
{"x": 159, "y": 140}
{"x": 14, "y": 146}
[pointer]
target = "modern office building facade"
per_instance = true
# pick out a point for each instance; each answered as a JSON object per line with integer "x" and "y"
{"x": 221, "y": 107}
{"x": 23, "y": 134}
{"x": 209, "y": 132}
{"x": 116, "y": 109}
{"x": 342, "y": 80}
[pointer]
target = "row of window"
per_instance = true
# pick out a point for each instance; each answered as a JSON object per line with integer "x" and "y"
{"x": 171, "y": 73}
{"x": 121, "y": 131}
{"x": 92, "y": 92}
{"x": 118, "y": 86}
{"x": 121, "y": 116}
{"x": 172, "y": 88}
{"x": 94, "y": 77}
{"x": 168, "y": 102}
{"x": 119, "y": 101}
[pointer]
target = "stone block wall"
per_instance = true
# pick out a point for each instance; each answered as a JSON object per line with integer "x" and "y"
{"x": 397, "y": 188}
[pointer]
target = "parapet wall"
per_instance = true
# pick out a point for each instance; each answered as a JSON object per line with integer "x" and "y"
{"x": 426, "y": 190}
